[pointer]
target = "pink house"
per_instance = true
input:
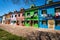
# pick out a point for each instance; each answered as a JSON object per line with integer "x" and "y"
{"x": 13, "y": 18}
{"x": 20, "y": 17}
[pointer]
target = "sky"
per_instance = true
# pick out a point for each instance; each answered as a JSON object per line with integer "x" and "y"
{"x": 7, "y": 6}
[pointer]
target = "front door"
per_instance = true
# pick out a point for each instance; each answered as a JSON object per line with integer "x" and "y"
{"x": 51, "y": 24}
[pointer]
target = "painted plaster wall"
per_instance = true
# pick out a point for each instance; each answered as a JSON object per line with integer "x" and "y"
{"x": 50, "y": 10}
{"x": 34, "y": 18}
{"x": 13, "y": 19}
{"x": 8, "y": 18}
{"x": 20, "y": 19}
{"x": 31, "y": 14}
{"x": 3, "y": 20}
{"x": 27, "y": 18}
{"x": 40, "y": 20}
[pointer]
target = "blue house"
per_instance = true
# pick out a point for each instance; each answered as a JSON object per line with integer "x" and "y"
{"x": 0, "y": 19}
{"x": 49, "y": 15}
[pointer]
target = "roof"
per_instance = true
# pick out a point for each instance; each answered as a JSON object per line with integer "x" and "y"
{"x": 35, "y": 8}
{"x": 46, "y": 5}
{"x": 54, "y": 3}
{"x": 10, "y": 13}
{"x": 21, "y": 11}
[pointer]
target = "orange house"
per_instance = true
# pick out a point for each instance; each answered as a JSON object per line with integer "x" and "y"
{"x": 8, "y": 18}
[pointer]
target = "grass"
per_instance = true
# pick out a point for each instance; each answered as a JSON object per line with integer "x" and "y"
{"x": 4, "y": 35}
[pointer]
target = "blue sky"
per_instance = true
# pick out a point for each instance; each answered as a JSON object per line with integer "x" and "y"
{"x": 7, "y": 6}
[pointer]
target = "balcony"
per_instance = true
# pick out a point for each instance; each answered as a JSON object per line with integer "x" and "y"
{"x": 46, "y": 17}
{"x": 57, "y": 18}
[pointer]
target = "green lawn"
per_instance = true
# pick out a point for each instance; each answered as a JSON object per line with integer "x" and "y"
{"x": 8, "y": 36}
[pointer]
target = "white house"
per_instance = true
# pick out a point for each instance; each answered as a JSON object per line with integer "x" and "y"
{"x": 3, "y": 19}
{"x": 13, "y": 18}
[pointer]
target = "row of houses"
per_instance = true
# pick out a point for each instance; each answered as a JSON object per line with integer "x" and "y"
{"x": 45, "y": 16}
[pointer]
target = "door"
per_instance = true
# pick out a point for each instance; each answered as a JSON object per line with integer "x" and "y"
{"x": 17, "y": 22}
{"x": 36, "y": 24}
{"x": 51, "y": 24}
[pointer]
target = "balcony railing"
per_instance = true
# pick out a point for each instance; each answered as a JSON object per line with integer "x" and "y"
{"x": 48, "y": 17}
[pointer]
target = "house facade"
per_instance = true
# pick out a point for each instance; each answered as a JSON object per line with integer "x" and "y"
{"x": 45, "y": 16}
{"x": 49, "y": 15}
{"x": 0, "y": 19}
{"x": 13, "y": 18}
{"x": 31, "y": 17}
{"x": 20, "y": 17}
{"x": 8, "y": 16}
{"x": 3, "y": 19}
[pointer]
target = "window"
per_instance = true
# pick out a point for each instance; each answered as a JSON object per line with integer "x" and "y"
{"x": 57, "y": 9}
{"x": 17, "y": 22}
{"x": 28, "y": 14}
{"x": 22, "y": 22}
{"x": 44, "y": 12}
{"x": 12, "y": 16}
{"x": 18, "y": 15}
{"x": 50, "y": 2}
{"x": 35, "y": 22}
{"x": 44, "y": 22}
{"x": 15, "y": 15}
{"x": 27, "y": 21}
{"x": 23, "y": 14}
{"x": 32, "y": 17}
{"x": 57, "y": 22}
{"x": 14, "y": 21}
{"x": 35, "y": 12}
{"x": 3, "y": 21}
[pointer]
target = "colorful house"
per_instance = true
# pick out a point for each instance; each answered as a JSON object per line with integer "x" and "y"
{"x": 45, "y": 16}
{"x": 8, "y": 18}
{"x": 3, "y": 19}
{"x": 49, "y": 15}
{"x": 31, "y": 17}
{"x": 20, "y": 17}
{"x": 0, "y": 19}
{"x": 13, "y": 17}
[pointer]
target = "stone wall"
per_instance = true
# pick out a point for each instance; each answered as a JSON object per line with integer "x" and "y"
{"x": 32, "y": 33}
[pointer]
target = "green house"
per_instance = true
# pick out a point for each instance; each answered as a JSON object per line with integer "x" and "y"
{"x": 31, "y": 17}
